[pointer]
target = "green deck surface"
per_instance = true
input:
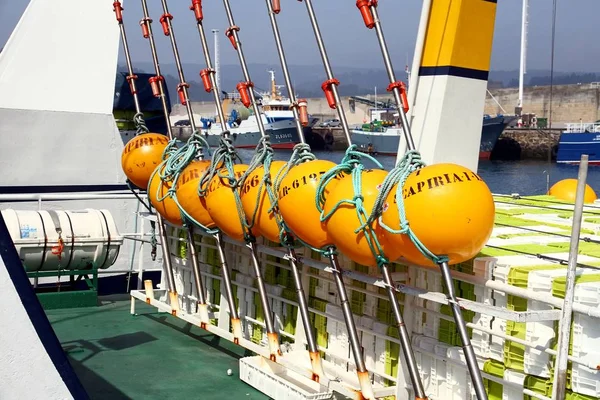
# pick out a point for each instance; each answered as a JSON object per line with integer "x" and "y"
{"x": 149, "y": 356}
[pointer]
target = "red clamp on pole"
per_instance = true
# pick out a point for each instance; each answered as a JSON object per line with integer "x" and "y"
{"x": 57, "y": 250}
{"x": 144, "y": 24}
{"x": 326, "y": 87}
{"x": 164, "y": 21}
{"x": 154, "y": 84}
{"x": 231, "y": 36}
{"x": 181, "y": 92}
{"x": 365, "y": 10}
{"x": 242, "y": 88}
{"x": 118, "y": 9}
{"x": 205, "y": 75}
{"x": 303, "y": 111}
{"x": 197, "y": 8}
{"x": 402, "y": 88}
{"x": 276, "y": 4}
{"x": 130, "y": 79}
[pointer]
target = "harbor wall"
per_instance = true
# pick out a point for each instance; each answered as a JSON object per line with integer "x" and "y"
{"x": 570, "y": 103}
{"x": 527, "y": 144}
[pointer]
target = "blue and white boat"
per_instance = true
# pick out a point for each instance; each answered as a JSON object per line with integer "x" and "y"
{"x": 577, "y": 139}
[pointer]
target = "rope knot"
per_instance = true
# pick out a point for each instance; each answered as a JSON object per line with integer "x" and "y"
{"x": 381, "y": 260}
{"x": 140, "y": 124}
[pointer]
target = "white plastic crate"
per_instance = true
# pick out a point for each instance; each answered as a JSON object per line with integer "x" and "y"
{"x": 585, "y": 381}
{"x": 481, "y": 340}
{"x": 278, "y": 382}
{"x": 457, "y": 376}
{"x": 510, "y": 392}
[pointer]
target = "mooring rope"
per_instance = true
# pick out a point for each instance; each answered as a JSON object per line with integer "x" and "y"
{"x": 221, "y": 166}
{"x": 352, "y": 164}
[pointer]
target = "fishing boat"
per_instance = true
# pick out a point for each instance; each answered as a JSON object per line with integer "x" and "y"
{"x": 276, "y": 116}
{"x": 217, "y": 315}
{"x": 277, "y": 106}
{"x": 381, "y": 135}
{"x": 579, "y": 138}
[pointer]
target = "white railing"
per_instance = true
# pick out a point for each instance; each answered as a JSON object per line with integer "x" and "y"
{"x": 583, "y": 127}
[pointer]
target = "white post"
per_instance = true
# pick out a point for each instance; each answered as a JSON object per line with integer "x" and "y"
{"x": 523, "y": 66}
{"x": 564, "y": 334}
{"x": 375, "y": 101}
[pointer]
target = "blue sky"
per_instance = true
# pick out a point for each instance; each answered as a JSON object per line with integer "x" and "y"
{"x": 348, "y": 42}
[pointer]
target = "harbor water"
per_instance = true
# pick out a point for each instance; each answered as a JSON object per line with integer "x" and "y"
{"x": 528, "y": 178}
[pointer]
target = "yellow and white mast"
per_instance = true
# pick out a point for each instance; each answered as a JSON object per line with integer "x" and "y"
{"x": 449, "y": 81}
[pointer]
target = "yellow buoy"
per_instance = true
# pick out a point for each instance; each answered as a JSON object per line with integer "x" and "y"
{"x": 141, "y": 156}
{"x": 264, "y": 221}
{"x": 297, "y": 205}
{"x": 221, "y": 205}
{"x": 449, "y": 208}
{"x": 167, "y": 208}
{"x": 567, "y": 189}
{"x": 343, "y": 222}
{"x": 187, "y": 192}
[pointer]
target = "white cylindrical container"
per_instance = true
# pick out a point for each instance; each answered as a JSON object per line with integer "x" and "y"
{"x": 89, "y": 238}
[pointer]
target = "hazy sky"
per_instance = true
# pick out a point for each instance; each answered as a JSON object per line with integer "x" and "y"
{"x": 347, "y": 40}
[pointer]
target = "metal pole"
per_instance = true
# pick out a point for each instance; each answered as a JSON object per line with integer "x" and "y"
{"x": 233, "y": 313}
{"x": 202, "y": 306}
{"x": 392, "y": 77}
{"x": 403, "y": 332}
{"x": 285, "y": 70}
{"x": 217, "y": 58}
{"x": 313, "y": 350}
{"x": 236, "y": 324}
{"x": 147, "y": 21}
{"x": 215, "y": 33}
{"x": 213, "y": 78}
{"x": 245, "y": 72}
{"x": 183, "y": 88}
{"x": 328, "y": 72}
{"x": 174, "y": 300}
{"x": 468, "y": 350}
{"x": 564, "y": 334}
{"x": 361, "y": 369}
{"x": 272, "y": 333}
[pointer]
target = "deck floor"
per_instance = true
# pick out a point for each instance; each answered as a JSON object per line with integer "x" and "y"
{"x": 148, "y": 356}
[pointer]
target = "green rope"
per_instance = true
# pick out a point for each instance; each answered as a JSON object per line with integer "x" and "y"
{"x": 397, "y": 176}
{"x": 140, "y": 124}
{"x": 262, "y": 157}
{"x": 221, "y": 166}
{"x": 300, "y": 154}
{"x": 175, "y": 160}
{"x": 352, "y": 164}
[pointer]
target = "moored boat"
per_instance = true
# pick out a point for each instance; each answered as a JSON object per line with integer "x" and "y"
{"x": 577, "y": 139}
{"x": 380, "y": 139}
